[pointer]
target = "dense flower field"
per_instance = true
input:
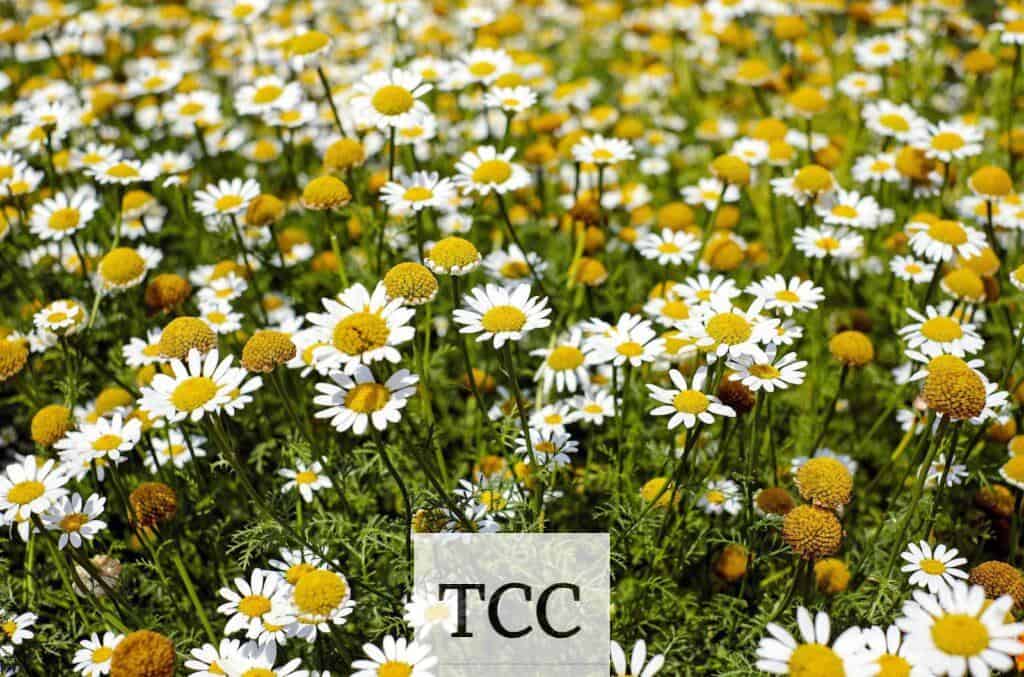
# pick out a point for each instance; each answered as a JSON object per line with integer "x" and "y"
{"x": 284, "y": 282}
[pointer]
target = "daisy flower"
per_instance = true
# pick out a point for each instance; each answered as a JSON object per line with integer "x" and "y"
{"x": 63, "y": 215}
{"x": 16, "y": 630}
{"x": 943, "y": 240}
{"x": 880, "y": 52}
{"x": 551, "y": 448}
{"x": 512, "y": 266}
{"x": 850, "y": 208}
{"x": 361, "y": 328}
{"x": 249, "y": 602}
{"x": 930, "y": 568}
{"x": 321, "y": 598}
{"x": 765, "y": 372}
{"x": 552, "y": 417}
{"x": 957, "y": 630}
{"x": 76, "y": 520}
{"x": 211, "y": 661}
{"x": 781, "y": 654}
{"x": 911, "y": 270}
{"x": 479, "y": 66}
{"x": 485, "y": 170}
{"x": 390, "y": 99}
{"x": 174, "y": 449}
{"x": 725, "y": 330}
{"x": 253, "y": 658}
{"x": 896, "y": 121}
{"x": 122, "y": 172}
{"x": 935, "y": 333}
{"x": 563, "y": 366}
{"x": 887, "y": 651}
{"x": 500, "y": 314}
{"x": 425, "y": 611}
{"x": 721, "y": 496}
{"x": 956, "y": 475}
{"x": 876, "y": 168}
{"x": 778, "y": 294}
{"x": 593, "y": 406}
{"x": 510, "y": 99}
{"x": 266, "y": 94}
{"x": 638, "y": 665}
{"x": 226, "y": 197}
{"x": 198, "y": 386}
{"x": 419, "y": 191}
{"x": 828, "y": 241}
{"x": 411, "y": 659}
{"x": 703, "y": 289}
{"x": 599, "y": 150}
{"x": 220, "y": 316}
{"x": 709, "y": 192}
{"x": 306, "y": 479}
{"x": 94, "y": 656}
{"x": 28, "y": 487}
{"x": 668, "y": 312}
{"x": 687, "y": 404}
{"x": 107, "y": 437}
{"x": 670, "y": 248}
{"x": 64, "y": 317}
{"x": 809, "y": 184}
{"x": 948, "y": 141}
{"x": 356, "y": 401}
{"x": 631, "y": 339}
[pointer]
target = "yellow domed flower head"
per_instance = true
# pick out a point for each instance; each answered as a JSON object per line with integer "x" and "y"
{"x": 13, "y": 357}
{"x": 852, "y": 348}
{"x": 183, "y": 334}
{"x": 111, "y": 399}
{"x": 453, "y": 256}
{"x": 753, "y": 72}
{"x": 411, "y": 281}
{"x": 325, "y": 192}
{"x": 167, "y": 291}
{"x": 964, "y": 284}
{"x": 675, "y": 216}
{"x": 953, "y": 388}
{"x": 154, "y": 503}
{"x": 807, "y": 102}
{"x": 320, "y": 593}
{"x": 731, "y": 169}
{"x": 996, "y": 500}
{"x": 1013, "y": 471}
{"x": 998, "y": 579}
{"x": 50, "y": 424}
{"x": 143, "y": 653}
{"x": 344, "y": 154}
{"x": 121, "y": 268}
{"x": 990, "y": 182}
{"x": 774, "y": 501}
{"x": 731, "y": 564}
{"x": 1016, "y": 445}
{"x": 814, "y": 180}
{"x": 825, "y": 482}
{"x": 264, "y": 210}
{"x": 831, "y": 576}
{"x": 652, "y": 487}
{"x": 589, "y": 272}
{"x": 267, "y": 349}
{"x": 812, "y": 532}
{"x": 984, "y": 263}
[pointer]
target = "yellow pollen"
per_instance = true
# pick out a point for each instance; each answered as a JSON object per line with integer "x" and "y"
{"x": 764, "y": 371}
{"x": 630, "y": 349}
{"x": 960, "y": 635}
{"x": 515, "y": 269}
{"x": 932, "y": 566}
{"x": 942, "y": 329}
{"x": 492, "y": 171}
{"x": 503, "y": 319}
{"x": 122, "y": 170}
{"x": 729, "y": 328}
{"x": 107, "y": 442}
{"x": 844, "y": 212}
{"x": 73, "y": 522}
{"x": 226, "y": 203}
{"x": 947, "y": 141}
{"x": 254, "y": 606}
{"x": 676, "y": 310}
{"x": 308, "y": 42}
{"x": 367, "y": 398}
{"x": 565, "y": 358}
{"x": 393, "y": 100}
{"x": 193, "y": 393}
{"x": 668, "y": 248}
{"x": 827, "y": 243}
{"x": 25, "y": 492}
{"x": 691, "y": 402}
{"x": 394, "y": 669}
{"x": 102, "y": 654}
{"x": 815, "y": 660}
{"x": 948, "y": 232}
{"x": 715, "y": 496}
{"x": 893, "y": 666}
{"x": 418, "y": 194}
{"x": 482, "y": 69}
{"x": 267, "y": 94}
{"x": 305, "y": 477}
{"x": 319, "y": 592}
{"x": 787, "y": 296}
{"x": 259, "y": 672}
{"x": 191, "y": 108}
{"x": 895, "y": 122}
{"x": 64, "y": 219}
{"x": 297, "y": 571}
{"x": 360, "y": 332}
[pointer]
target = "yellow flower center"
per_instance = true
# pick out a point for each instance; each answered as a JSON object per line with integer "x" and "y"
{"x": 122, "y": 266}
{"x": 242, "y": 10}
{"x": 366, "y": 398}
{"x": 630, "y": 349}
{"x": 564, "y": 358}
{"x": 948, "y": 232}
{"x": 319, "y": 592}
{"x": 515, "y": 269}
{"x": 259, "y": 672}
{"x": 308, "y": 42}
{"x": 668, "y": 248}
{"x": 191, "y": 108}
{"x": 418, "y": 194}
{"x": 942, "y": 329}
{"x": 226, "y": 203}
{"x": 892, "y": 666}
{"x": 267, "y": 94}
{"x": 503, "y": 318}
{"x": 64, "y": 219}
{"x": 254, "y": 606}
{"x": 947, "y": 141}
{"x": 729, "y": 328}
{"x": 393, "y": 100}
{"x": 305, "y": 477}
{"x": 394, "y": 669}
{"x": 492, "y": 171}
{"x": 73, "y": 522}
{"x": 676, "y": 310}
{"x": 482, "y": 69}
{"x": 895, "y": 122}
{"x": 360, "y": 332}
{"x": 787, "y": 296}
{"x": 25, "y": 492}
{"x": 690, "y": 402}
{"x": 193, "y": 393}
{"x": 715, "y": 496}
{"x": 297, "y": 571}
{"x": 827, "y": 243}
{"x": 815, "y": 660}
{"x": 764, "y": 371}
{"x": 9, "y": 628}
{"x": 107, "y": 442}
{"x": 102, "y": 654}
{"x": 813, "y": 179}
{"x": 122, "y": 170}
{"x": 932, "y": 567}
{"x": 844, "y": 212}
{"x": 960, "y": 635}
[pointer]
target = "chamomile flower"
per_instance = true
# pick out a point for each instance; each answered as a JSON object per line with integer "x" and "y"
{"x": 108, "y": 438}
{"x": 935, "y": 333}
{"x": 29, "y": 487}
{"x": 64, "y": 317}
{"x": 782, "y": 654}
{"x": 390, "y": 99}
{"x": 564, "y": 364}
{"x": 212, "y": 661}
{"x": 63, "y": 215}
{"x": 354, "y": 402}
{"x": 122, "y": 172}
{"x": 850, "y": 209}
{"x": 949, "y": 141}
{"x": 778, "y": 294}
{"x": 499, "y": 314}
{"x": 226, "y": 197}
{"x": 305, "y": 479}
{"x": 631, "y": 339}
{"x": 253, "y": 658}
{"x": 249, "y": 602}
{"x": 725, "y": 330}
{"x": 933, "y": 569}
{"x": 943, "y": 240}
{"x": 599, "y": 150}
{"x": 266, "y": 94}
{"x": 709, "y": 192}
{"x": 198, "y": 386}
{"x": 420, "y": 191}
{"x": 361, "y": 328}
{"x": 400, "y": 656}
{"x": 687, "y": 403}
{"x": 485, "y": 170}
{"x": 638, "y": 665}
{"x": 828, "y": 242}
{"x": 551, "y": 448}
{"x": 721, "y": 497}
{"x": 593, "y": 406}
{"x": 510, "y": 99}
{"x": 896, "y": 121}
{"x": 669, "y": 248}
{"x": 426, "y": 611}
{"x": 886, "y": 650}
{"x": 76, "y": 520}
{"x": 175, "y": 449}
{"x": 512, "y": 266}
{"x": 912, "y": 270}
{"x": 94, "y": 656}
{"x": 16, "y": 628}
{"x": 763, "y": 371}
